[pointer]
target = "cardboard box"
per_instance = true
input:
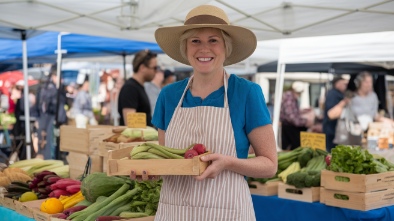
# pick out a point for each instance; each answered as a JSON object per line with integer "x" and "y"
{"x": 300, "y": 194}
{"x": 357, "y": 201}
{"x": 77, "y": 163}
{"x": 267, "y": 189}
{"x": 357, "y": 182}
{"x": 82, "y": 140}
{"x": 119, "y": 163}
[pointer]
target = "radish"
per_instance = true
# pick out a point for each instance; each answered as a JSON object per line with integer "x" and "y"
{"x": 200, "y": 148}
{"x": 190, "y": 154}
{"x": 328, "y": 160}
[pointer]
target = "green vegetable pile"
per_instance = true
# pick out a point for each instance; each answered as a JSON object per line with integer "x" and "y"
{"x": 308, "y": 176}
{"x": 353, "y": 159}
{"x": 308, "y": 159}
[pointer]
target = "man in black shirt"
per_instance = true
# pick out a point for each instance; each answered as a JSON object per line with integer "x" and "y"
{"x": 132, "y": 95}
{"x": 334, "y": 103}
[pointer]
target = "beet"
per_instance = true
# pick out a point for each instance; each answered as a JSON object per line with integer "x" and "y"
{"x": 200, "y": 148}
{"x": 190, "y": 154}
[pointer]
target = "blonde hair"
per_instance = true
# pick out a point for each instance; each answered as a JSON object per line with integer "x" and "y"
{"x": 187, "y": 34}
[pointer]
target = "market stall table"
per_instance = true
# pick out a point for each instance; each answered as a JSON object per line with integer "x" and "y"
{"x": 273, "y": 208}
{"x": 11, "y": 215}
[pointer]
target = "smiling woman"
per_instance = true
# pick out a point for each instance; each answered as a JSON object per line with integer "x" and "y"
{"x": 226, "y": 113}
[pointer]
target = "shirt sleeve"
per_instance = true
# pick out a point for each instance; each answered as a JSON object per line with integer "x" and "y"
{"x": 256, "y": 112}
{"x": 128, "y": 97}
{"x": 332, "y": 100}
{"x": 158, "y": 119}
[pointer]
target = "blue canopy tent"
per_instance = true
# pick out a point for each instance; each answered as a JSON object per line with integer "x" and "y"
{"x": 43, "y": 48}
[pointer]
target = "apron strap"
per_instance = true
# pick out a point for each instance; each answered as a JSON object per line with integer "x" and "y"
{"x": 225, "y": 82}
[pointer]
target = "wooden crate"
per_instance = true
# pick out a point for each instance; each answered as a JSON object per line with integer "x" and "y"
{"x": 104, "y": 147}
{"x": 358, "y": 201}
{"x": 27, "y": 208}
{"x": 83, "y": 140}
{"x": 267, "y": 189}
{"x": 9, "y": 203}
{"x": 304, "y": 194}
{"x": 357, "y": 182}
{"x": 119, "y": 163}
{"x": 77, "y": 163}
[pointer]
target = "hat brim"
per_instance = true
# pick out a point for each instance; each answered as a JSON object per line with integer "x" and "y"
{"x": 244, "y": 41}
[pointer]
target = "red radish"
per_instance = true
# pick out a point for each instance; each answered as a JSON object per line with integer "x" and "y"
{"x": 72, "y": 210}
{"x": 57, "y": 193}
{"x": 190, "y": 154}
{"x": 328, "y": 160}
{"x": 73, "y": 188}
{"x": 200, "y": 148}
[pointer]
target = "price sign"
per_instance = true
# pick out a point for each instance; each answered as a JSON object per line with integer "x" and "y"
{"x": 136, "y": 120}
{"x": 313, "y": 140}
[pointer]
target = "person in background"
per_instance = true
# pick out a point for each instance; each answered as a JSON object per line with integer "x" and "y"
{"x": 334, "y": 103}
{"x": 132, "y": 96}
{"x": 292, "y": 118}
{"x": 48, "y": 108}
{"x": 169, "y": 77}
{"x": 365, "y": 102}
{"x": 153, "y": 88}
{"x": 224, "y": 112}
{"x": 82, "y": 107}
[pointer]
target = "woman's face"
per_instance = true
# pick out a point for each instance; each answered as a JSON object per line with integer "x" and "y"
{"x": 206, "y": 51}
{"x": 366, "y": 84}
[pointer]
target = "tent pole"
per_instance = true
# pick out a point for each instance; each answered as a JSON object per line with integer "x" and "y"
{"x": 278, "y": 100}
{"x": 59, "y": 91}
{"x": 124, "y": 67}
{"x": 26, "y": 96}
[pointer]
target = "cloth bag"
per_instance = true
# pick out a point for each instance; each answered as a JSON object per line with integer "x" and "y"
{"x": 348, "y": 130}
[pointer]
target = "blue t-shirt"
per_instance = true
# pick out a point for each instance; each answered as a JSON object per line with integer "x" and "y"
{"x": 246, "y": 102}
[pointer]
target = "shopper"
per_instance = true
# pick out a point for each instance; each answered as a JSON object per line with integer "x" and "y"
{"x": 153, "y": 88}
{"x": 291, "y": 117}
{"x": 334, "y": 103}
{"x": 82, "y": 108}
{"x": 224, "y": 112}
{"x": 132, "y": 96}
{"x": 169, "y": 77}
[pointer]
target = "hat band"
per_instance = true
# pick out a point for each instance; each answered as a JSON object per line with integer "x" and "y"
{"x": 205, "y": 19}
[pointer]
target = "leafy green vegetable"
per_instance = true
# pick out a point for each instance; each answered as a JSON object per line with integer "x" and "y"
{"x": 349, "y": 159}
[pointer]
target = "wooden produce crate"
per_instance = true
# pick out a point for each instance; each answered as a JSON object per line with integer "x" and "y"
{"x": 357, "y": 201}
{"x": 357, "y": 182}
{"x": 82, "y": 140}
{"x": 119, "y": 163}
{"x": 267, "y": 189}
{"x": 304, "y": 194}
{"x": 8, "y": 202}
{"x": 27, "y": 208}
{"x": 104, "y": 147}
{"x": 77, "y": 163}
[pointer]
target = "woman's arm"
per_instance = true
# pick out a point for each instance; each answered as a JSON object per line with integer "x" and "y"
{"x": 161, "y": 134}
{"x": 263, "y": 165}
{"x": 336, "y": 111}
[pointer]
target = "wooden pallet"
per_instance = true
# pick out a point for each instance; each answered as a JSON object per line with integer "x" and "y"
{"x": 357, "y": 201}
{"x": 300, "y": 194}
{"x": 357, "y": 182}
{"x": 267, "y": 189}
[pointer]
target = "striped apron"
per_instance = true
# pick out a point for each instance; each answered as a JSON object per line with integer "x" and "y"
{"x": 226, "y": 197}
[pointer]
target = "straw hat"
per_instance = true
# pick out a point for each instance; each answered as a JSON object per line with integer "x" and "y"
{"x": 298, "y": 86}
{"x": 207, "y": 16}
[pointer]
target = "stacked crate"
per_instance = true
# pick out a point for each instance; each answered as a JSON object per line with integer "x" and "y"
{"x": 357, "y": 191}
{"x": 82, "y": 143}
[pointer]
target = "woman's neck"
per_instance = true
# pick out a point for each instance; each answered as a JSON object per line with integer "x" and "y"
{"x": 203, "y": 85}
{"x": 362, "y": 93}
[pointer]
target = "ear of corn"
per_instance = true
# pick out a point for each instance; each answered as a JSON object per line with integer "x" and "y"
{"x": 44, "y": 165}
{"x": 25, "y": 163}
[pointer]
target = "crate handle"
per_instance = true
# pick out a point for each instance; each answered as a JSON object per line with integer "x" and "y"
{"x": 341, "y": 196}
{"x": 294, "y": 191}
{"x": 342, "y": 179}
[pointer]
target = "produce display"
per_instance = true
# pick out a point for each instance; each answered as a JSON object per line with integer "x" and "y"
{"x": 299, "y": 160}
{"x": 36, "y": 165}
{"x": 156, "y": 151}
{"x": 127, "y": 135}
{"x": 349, "y": 159}
{"x": 308, "y": 176}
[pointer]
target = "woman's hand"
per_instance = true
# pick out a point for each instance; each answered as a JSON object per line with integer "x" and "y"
{"x": 219, "y": 163}
{"x": 143, "y": 177}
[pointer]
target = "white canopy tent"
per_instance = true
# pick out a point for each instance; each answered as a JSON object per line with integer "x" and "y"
{"x": 376, "y": 48}
{"x": 137, "y": 19}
